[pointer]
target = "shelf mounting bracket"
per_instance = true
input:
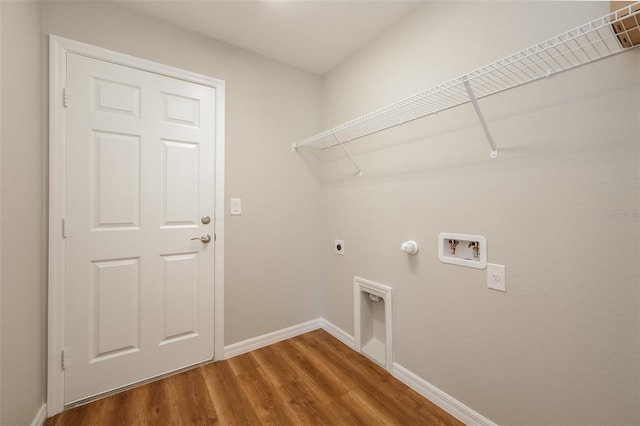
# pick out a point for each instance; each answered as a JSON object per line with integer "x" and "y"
{"x": 476, "y": 107}
{"x": 346, "y": 151}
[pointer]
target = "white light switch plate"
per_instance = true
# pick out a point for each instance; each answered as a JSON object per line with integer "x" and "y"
{"x": 236, "y": 206}
{"x": 497, "y": 277}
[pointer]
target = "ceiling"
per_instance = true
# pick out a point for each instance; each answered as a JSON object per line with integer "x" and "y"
{"x": 313, "y": 35}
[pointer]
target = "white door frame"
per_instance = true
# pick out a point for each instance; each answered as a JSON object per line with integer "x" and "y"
{"x": 58, "y": 49}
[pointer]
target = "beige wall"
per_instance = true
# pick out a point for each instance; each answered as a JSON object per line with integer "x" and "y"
{"x": 272, "y": 278}
{"x": 1, "y": 400}
{"x": 561, "y": 346}
{"x": 23, "y": 210}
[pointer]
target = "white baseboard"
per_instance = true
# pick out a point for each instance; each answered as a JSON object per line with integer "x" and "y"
{"x": 449, "y": 404}
{"x": 338, "y": 333}
{"x": 40, "y": 417}
{"x": 270, "y": 338}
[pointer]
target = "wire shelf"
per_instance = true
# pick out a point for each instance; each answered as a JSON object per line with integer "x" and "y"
{"x": 606, "y": 36}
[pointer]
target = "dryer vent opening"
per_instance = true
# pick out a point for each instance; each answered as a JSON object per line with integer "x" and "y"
{"x": 372, "y": 320}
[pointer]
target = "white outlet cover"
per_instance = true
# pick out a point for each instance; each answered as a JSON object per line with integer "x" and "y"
{"x": 338, "y": 245}
{"x": 497, "y": 277}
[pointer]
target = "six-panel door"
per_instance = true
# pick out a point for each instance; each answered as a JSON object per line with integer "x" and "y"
{"x": 140, "y": 175}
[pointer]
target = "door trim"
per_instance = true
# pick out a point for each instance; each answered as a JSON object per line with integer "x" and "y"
{"x": 59, "y": 48}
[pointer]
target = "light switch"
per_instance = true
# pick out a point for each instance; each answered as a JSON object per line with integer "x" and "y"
{"x": 236, "y": 206}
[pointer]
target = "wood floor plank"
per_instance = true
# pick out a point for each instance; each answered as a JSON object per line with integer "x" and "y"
{"x": 368, "y": 411}
{"x": 112, "y": 414}
{"x": 268, "y": 402}
{"x": 231, "y": 403}
{"x": 346, "y": 413}
{"x": 195, "y": 405}
{"x": 241, "y": 363}
{"x": 317, "y": 374}
{"x": 369, "y": 378}
{"x": 366, "y": 379}
{"x": 270, "y": 359}
{"x": 312, "y": 379}
{"x": 305, "y": 404}
{"x": 155, "y": 406}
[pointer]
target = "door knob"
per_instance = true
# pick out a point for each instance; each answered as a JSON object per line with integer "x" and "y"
{"x": 206, "y": 238}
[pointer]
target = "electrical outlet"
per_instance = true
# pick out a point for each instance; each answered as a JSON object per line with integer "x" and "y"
{"x": 339, "y": 247}
{"x": 496, "y": 277}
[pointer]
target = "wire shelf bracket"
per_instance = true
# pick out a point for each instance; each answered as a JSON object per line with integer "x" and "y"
{"x": 346, "y": 151}
{"x": 616, "y": 32}
{"x": 476, "y": 107}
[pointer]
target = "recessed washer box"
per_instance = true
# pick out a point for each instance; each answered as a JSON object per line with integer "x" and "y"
{"x": 463, "y": 249}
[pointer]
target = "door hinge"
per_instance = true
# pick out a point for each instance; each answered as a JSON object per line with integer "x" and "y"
{"x": 65, "y": 97}
{"x": 64, "y": 228}
{"x": 63, "y": 360}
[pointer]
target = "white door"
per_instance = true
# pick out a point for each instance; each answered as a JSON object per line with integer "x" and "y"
{"x": 140, "y": 181}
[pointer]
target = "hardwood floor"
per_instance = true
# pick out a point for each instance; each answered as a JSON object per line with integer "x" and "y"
{"x": 312, "y": 379}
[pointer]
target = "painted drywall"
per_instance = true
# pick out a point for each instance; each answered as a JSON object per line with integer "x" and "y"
{"x": 271, "y": 276}
{"x": 0, "y": 213}
{"x": 23, "y": 266}
{"x": 559, "y": 208}
{"x": 560, "y": 347}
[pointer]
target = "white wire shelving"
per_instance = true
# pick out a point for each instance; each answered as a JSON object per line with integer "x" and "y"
{"x": 608, "y": 35}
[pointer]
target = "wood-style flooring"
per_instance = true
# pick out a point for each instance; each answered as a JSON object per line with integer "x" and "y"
{"x": 312, "y": 379}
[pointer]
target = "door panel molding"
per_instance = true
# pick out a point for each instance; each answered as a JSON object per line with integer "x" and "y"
{"x": 59, "y": 48}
